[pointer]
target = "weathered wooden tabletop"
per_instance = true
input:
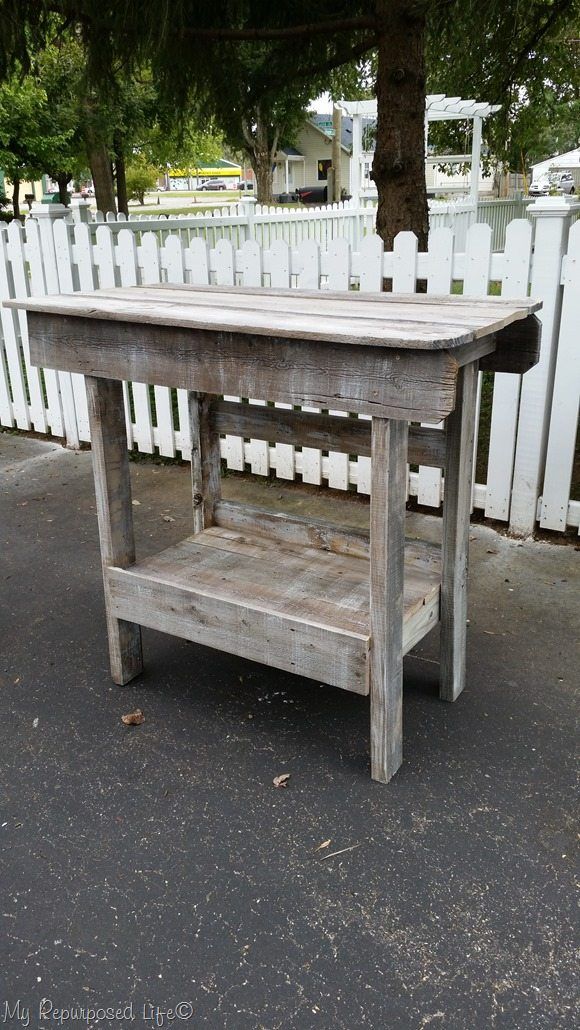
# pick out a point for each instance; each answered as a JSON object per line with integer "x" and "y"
{"x": 416, "y": 321}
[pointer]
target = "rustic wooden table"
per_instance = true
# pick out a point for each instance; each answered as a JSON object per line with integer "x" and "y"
{"x": 312, "y": 598}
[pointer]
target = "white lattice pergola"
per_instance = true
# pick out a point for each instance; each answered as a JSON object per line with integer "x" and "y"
{"x": 438, "y": 108}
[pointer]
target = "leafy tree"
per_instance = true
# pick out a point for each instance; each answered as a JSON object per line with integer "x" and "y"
{"x": 34, "y": 137}
{"x": 193, "y": 48}
{"x": 255, "y": 121}
{"x": 530, "y": 66}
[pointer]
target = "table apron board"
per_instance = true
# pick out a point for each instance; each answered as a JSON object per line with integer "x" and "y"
{"x": 401, "y": 384}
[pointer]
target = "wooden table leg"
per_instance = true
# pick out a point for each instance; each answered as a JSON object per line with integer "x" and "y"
{"x": 205, "y": 460}
{"x": 387, "y": 553}
{"x": 460, "y": 428}
{"x": 114, "y": 511}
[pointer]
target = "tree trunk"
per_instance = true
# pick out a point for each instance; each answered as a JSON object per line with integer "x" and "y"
{"x": 100, "y": 165}
{"x": 16, "y": 197}
{"x": 399, "y": 161}
{"x": 121, "y": 176}
{"x": 261, "y": 158}
{"x": 63, "y": 181}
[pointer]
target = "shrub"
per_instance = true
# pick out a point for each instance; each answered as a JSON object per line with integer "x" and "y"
{"x": 140, "y": 178}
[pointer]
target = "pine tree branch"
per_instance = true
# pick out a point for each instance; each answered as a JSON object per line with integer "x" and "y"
{"x": 300, "y": 72}
{"x": 290, "y": 32}
{"x": 557, "y": 10}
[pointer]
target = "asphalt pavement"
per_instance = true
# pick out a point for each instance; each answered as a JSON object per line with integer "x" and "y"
{"x": 157, "y": 867}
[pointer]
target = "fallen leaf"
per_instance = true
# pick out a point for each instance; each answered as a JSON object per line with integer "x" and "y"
{"x": 282, "y": 780}
{"x": 133, "y": 718}
{"x": 324, "y": 844}
{"x": 490, "y": 551}
{"x": 136, "y": 502}
{"x": 168, "y": 518}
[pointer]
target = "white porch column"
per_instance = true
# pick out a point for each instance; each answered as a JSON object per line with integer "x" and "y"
{"x": 475, "y": 159}
{"x": 553, "y": 218}
{"x": 355, "y": 161}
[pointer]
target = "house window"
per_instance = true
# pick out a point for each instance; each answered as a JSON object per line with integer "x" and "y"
{"x": 323, "y": 167}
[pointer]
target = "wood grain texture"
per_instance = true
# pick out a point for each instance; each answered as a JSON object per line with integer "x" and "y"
{"x": 205, "y": 460}
{"x": 363, "y": 380}
{"x": 383, "y": 320}
{"x": 291, "y": 606}
{"x": 387, "y": 539}
{"x": 456, "y": 508}
{"x": 114, "y": 513}
{"x": 517, "y": 347}
{"x": 319, "y": 533}
{"x": 324, "y": 432}
{"x": 291, "y": 529}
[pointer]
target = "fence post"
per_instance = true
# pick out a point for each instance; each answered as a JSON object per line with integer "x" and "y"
{"x": 248, "y": 205}
{"x": 553, "y": 217}
{"x": 81, "y": 210}
{"x": 45, "y": 216}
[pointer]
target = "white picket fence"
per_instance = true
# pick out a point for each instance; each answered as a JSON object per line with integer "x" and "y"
{"x": 349, "y": 220}
{"x": 533, "y": 422}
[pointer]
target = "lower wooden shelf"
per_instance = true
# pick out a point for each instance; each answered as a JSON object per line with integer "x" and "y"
{"x": 289, "y": 606}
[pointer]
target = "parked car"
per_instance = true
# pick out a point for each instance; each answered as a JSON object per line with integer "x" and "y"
{"x": 213, "y": 184}
{"x": 246, "y": 186}
{"x": 312, "y": 194}
{"x": 557, "y": 182}
{"x": 566, "y": 183}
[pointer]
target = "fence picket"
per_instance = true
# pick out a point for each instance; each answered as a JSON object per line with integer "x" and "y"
{"x": 507, "y": 386}
{"x": 477, "y": 274}
{"x": 150, "y": 261}
{"x": 20, "y": 283}
{"x": 33, "y": 250}
{"x": 17, "y": 408}
{"x": 429, "y": 481}
{"x": 370, "y": 264}
{"x": 566, "y": 398}
{"x": 232, "y": 447}
{"x": 278, "y": 260}
{"x": 105, "y": 261}
{"x": 257, "y": 452}
{"x": 73, "y": 391}
{"x": 143, "y": 423}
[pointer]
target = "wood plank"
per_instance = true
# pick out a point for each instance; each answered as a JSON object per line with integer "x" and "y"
{"x": 315, "y": 651}
{"x": 205, "y": 460}
{"x": 325, "y": 432}
{"x": 317, "y": 533}
{"x": 327, "y": 584}
{"x": 337, "y": 305}
{"x": 524, "y": 303}
{"x": 276, "y": 602}
{"x": 517, "y": 347}
{"x": 416, "y": 334}
{"x": 388, "y": 491}
{"x": 405, "y": 384}
{"x": 456, "y": 508}
{"x": 326, "y": 536}
{"x": 115, "y": 516}
{"x": 428, "y": 325}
